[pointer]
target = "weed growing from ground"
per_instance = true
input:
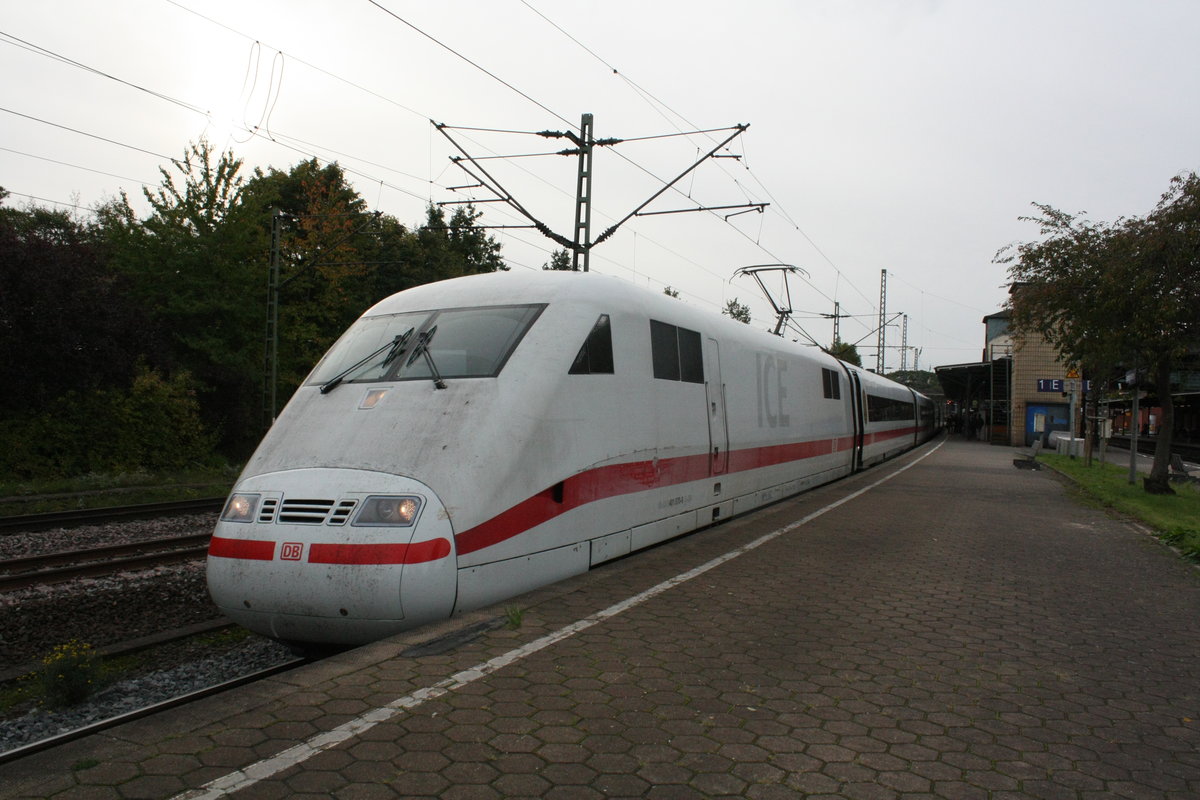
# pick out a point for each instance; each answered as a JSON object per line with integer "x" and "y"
{"x": 514, "y": 615}
{"x": 69, "y": 674}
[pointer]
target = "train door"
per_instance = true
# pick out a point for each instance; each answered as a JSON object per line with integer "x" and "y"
{"x": 718, "y": 425}
{"x": 916, "y": 417}
{"x": 859, "y": 412}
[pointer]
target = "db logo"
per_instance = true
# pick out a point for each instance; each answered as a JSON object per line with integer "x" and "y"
{"x": 291, "y": 551}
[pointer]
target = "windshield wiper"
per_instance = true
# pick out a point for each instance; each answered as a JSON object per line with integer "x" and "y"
{"x": 422, "y": 348}
{"x": 394, "y": 349}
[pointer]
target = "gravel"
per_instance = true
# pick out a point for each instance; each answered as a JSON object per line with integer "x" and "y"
{"x": 101, "y": 611}
{"x": 107, "y": 610}
{"x": 129, "y": 695}
{"x": 17, "y": 545}
{"x": 113, "y": 609}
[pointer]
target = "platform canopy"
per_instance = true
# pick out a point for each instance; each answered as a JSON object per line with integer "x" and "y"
{"x": 964, "y": 383}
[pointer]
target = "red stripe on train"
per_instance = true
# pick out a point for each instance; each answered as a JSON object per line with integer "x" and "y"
{"x": 248, "y": 549}
{"x": 322, "y": 553}
{"x": 635, "y": 476}
{"x": 417, "y": 553}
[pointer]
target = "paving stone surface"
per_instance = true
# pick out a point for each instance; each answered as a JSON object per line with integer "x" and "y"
{"x": 964, "y": 630}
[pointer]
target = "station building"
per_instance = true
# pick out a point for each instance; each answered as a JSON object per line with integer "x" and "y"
{"x": 1020, "y": 392}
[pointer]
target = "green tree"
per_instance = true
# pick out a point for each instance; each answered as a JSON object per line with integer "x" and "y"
{"x": 393, "y": 251}
{"x": 113, "y": 319}
{"x": 450, "y": 249}
{"x": 560, "y": 261}
{"x": 669, "y": 292}
{"x": 81, "y": 398}
{"x": 846, "y": 352}
{"x": 1124, "y": 293}
{"x": 197, "y": 265}
{"x": 924, "y": 382}
{"x": 735, "y": 310}
{"x": 327, "y": 252}
{"x": 66, "y": 320}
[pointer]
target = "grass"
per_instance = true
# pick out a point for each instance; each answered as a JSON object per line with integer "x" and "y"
{"x": 1174, "y": 518}
{"x": 102, "y": 491}
{"x": 515, "y": 616}
{"x": 17, "y": 695}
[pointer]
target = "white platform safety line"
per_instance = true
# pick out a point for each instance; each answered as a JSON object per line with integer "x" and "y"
{"x": 297, "y": 754}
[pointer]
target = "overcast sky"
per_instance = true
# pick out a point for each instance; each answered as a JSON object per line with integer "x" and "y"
{"x": 898, "y": 135}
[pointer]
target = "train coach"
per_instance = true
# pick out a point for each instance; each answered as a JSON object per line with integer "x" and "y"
{"x": 469, "y": 440}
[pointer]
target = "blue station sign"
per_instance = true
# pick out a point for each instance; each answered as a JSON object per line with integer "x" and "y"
{"x": 1061, "y": 385}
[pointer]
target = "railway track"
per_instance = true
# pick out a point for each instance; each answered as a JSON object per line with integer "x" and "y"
{"x": 57, "y": 740}
{"x": 17, "y": 573}
{"x": 92, "y": 516}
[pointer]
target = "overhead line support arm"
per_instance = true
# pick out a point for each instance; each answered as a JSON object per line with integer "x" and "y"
{"x": 738, "y": 129}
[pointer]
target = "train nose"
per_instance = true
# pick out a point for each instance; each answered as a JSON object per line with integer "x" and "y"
{"x": 332, "y": 556}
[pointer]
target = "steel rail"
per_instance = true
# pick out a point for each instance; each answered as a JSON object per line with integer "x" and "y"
{"x": 128, "y": 646}
{"x": 66, "y": 519}
{"x": 105, "y": 560}
{"x": 175, "y": 702}
{"x": 13, "y": 566}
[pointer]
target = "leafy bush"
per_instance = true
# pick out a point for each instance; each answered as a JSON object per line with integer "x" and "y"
{"x": 153, "y": 426}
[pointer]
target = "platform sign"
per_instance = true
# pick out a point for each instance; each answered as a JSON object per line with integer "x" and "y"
{"x": 1060, "y": 385}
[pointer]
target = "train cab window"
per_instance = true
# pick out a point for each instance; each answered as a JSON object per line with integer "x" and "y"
{"x": 462, "y": 342}
{"x": 676, "y": 353}
{"x": 831, "y": 384}
{"x": 596, "y": 355}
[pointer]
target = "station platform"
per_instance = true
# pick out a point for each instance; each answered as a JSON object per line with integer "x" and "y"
{"x": 943, "y": 625}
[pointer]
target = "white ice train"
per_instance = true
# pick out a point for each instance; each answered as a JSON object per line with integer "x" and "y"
{"x": 469, "y": 440}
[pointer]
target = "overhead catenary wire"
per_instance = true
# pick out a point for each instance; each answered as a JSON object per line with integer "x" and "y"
{"x": 500, "y": 80}
{"x": 680, "y": 116}
{"x": 76, "y": 206}
{"x": 409, "y": 109}
{"x": 299, "y": 60}
{"x": 260, "y": 130}
{"x": 89, "y": 135}
{"x": 776, "y": 207}
{"x": 34, "y": 48}
{"x": 477, "y": 66}
{"x": 308, "y": 148}
{"x": 894, "y": 275}
{"x": 255, "y": 130}
{"x": 76, "y": 166}
{"x": 280, "y": 139}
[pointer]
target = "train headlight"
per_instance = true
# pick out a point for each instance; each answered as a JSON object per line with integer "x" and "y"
{"x": 240, "y": 508}
{"x": 391, "y": 511}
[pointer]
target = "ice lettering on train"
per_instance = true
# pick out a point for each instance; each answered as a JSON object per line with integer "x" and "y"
{"x": 771, "y": 391}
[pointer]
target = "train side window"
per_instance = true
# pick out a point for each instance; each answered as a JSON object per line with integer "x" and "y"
{"x": 664, "y": 350}
{"x": 691, "y": 357}
{"x": 676, "y": 352}
{"x": 888, "y": 409}
{"x": 831, "y": 384}
{"x": 596, "y": 355}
